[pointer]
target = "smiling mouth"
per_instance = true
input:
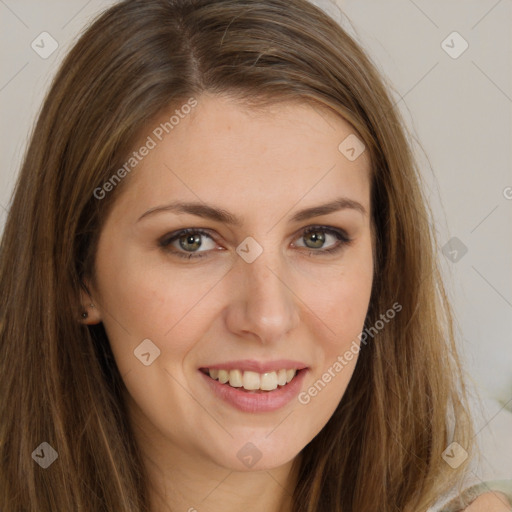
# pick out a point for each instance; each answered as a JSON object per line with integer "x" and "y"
{"x": 250, "y": 381}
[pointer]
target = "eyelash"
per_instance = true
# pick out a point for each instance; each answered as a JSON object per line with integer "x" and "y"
{"x": 343, "y": 240}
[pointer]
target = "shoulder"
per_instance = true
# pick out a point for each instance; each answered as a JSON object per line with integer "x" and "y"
{"x": 490, "y": 502}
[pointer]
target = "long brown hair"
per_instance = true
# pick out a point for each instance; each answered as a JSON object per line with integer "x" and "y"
{"x": 382, "y": 448}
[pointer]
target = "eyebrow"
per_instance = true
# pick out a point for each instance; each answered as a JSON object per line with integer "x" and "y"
{"x": 218, "y": 214}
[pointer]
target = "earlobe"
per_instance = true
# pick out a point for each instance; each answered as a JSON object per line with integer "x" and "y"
{"x": 90, "y": 313}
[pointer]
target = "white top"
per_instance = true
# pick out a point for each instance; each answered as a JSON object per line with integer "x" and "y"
{"x": 492, "y": 470}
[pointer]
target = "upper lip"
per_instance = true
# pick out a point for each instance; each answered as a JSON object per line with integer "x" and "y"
{"x": 252, "y": 365}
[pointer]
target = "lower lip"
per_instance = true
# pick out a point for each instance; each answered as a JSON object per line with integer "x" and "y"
{"x": 257, "y": 402}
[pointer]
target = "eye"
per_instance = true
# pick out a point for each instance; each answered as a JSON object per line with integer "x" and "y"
{"x": 316, "y": 238}
{"x": 187, "y": 242}
{"x": 190, "y": 243}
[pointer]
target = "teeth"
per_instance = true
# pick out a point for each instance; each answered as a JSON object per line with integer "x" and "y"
{"x": 253, "y": 381}
{"x": 235, "y": 378}
{"x": 250, "y": 380}
{"x": 290, "y": 374}
{"x": 269, "y": 381}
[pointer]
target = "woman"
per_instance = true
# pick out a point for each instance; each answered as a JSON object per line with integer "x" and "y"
{"x": 218, "y": 278}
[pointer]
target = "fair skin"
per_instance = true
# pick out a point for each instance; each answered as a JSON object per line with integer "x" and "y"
{"x": 490, "y": 502}
{"x": 290, "y": 303}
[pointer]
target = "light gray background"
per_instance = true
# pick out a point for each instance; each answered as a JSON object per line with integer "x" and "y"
{"x": 459, "y": 109}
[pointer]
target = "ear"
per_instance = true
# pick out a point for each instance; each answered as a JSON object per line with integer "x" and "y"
{"x": 89, "y": 305}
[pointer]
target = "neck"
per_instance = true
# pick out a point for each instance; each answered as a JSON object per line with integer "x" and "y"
{"x": 181, "y": 482}
{"x": 181, "y": 479}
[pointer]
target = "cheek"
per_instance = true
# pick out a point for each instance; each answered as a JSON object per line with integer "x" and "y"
{"x": 151, "y": 301}
{"x": 342, "y": 301}
{"x": 337, "y": 353}
{"x": 344, "y": 317}
{"x": 341, "y": 307}
{"x": 144, "y": 293}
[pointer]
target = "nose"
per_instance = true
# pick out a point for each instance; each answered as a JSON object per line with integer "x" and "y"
{"x": 263, "y": 304}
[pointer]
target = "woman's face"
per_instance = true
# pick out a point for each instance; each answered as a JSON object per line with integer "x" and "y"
{"x": 262, "y": 285}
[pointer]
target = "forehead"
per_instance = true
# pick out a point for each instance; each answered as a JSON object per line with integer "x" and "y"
{"x": 223, "y": 150}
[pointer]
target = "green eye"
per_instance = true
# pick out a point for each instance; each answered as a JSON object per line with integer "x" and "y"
{"x": 317, "y": 239}
{"x": 188, "y": 242}
{"x": 317, "y": 236}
